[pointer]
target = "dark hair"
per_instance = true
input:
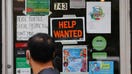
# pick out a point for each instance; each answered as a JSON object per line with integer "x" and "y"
{"x": 65, "y": 63}
{"x": 58, "y": 56}
{"x": 41, "y": 47}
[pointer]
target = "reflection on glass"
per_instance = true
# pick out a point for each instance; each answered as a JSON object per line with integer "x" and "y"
{"x": 102, "y": 0}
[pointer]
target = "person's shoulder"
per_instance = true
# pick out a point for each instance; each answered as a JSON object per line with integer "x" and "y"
{"x": 49, "y": 71}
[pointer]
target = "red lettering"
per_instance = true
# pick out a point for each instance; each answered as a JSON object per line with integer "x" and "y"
{"x": 67, "y": 24}
{"x": 73, "y": 24}
{"x": 56, "y": 34}
{"x": 80, "y": 33}
{"x": 61, "y": 24}
{"x": 67, "y": 33}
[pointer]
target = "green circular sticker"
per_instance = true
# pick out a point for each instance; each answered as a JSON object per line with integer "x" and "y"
{"x": 99, "y": 43}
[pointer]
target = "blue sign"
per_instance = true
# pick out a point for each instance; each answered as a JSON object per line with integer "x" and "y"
{"x": 101, "y": 67}
{"x": 74, "y": 59}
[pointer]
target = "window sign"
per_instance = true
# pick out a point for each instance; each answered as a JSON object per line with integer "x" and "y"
{"x": 75, "y": 59}
{"x": 101, "y": 67}
{"x": 98, "y": 17}
{"x": 37, "y": 7}
{"x": 60, "y": 6}
{"x": 68, "y": 29}
{"x": 30, "y": 25}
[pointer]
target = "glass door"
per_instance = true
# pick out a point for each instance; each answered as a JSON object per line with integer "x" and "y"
{"x": 91, "y": 32}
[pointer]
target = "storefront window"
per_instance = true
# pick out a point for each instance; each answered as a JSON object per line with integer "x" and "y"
{"x": 88, "y": 30}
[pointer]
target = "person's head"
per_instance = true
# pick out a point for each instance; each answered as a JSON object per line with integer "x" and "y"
{"x": 40, "y": 48}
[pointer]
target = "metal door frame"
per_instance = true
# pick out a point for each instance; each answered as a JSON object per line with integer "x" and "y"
{"x": 7, "y": 37}
{"x": 125, "y": 37}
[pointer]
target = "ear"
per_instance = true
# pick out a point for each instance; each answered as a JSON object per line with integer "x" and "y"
{"x": 28, "y": 54}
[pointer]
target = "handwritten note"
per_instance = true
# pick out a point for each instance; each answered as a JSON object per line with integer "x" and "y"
{"x": 30, "y": 25}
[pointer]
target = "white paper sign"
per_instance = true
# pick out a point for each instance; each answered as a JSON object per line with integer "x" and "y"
{"x": 23, "y": 71}
{"x": 30, "y": 25}
{"x": 98, "y": 17}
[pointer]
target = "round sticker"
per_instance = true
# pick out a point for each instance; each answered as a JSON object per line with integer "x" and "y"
{"x": 99, "y": 43}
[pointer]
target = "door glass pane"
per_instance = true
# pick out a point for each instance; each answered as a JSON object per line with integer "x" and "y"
{"x": 90, "y": 24}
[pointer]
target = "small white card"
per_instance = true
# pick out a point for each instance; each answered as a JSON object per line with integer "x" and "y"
{"x": 23, "y": 71}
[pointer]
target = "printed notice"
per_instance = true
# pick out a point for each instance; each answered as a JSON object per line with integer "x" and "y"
{"x": 99, "y": 55}
{"x": 99, "y": 43}
{"x": 22, "y": 67}
{"x": 98, "y": 17}
{"x": 68, "y": 29}
{"x": 74, "y": 59}
{"x": 23, "y": 71}
{"x": 37, "y": 7}
{"x": 27, "y": 26}
{"x": 101, "y": 67}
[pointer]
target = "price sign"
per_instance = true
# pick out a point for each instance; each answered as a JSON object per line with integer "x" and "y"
{"x": 60, "y": 6}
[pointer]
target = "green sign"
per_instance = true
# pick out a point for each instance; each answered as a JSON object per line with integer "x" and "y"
{"x": 99, "y": 43}
{"x": 105, "y": 66}
{"x": 37, "y": 7}
{"x": 99, "y": 55}
{"x": 21, "y": 63}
